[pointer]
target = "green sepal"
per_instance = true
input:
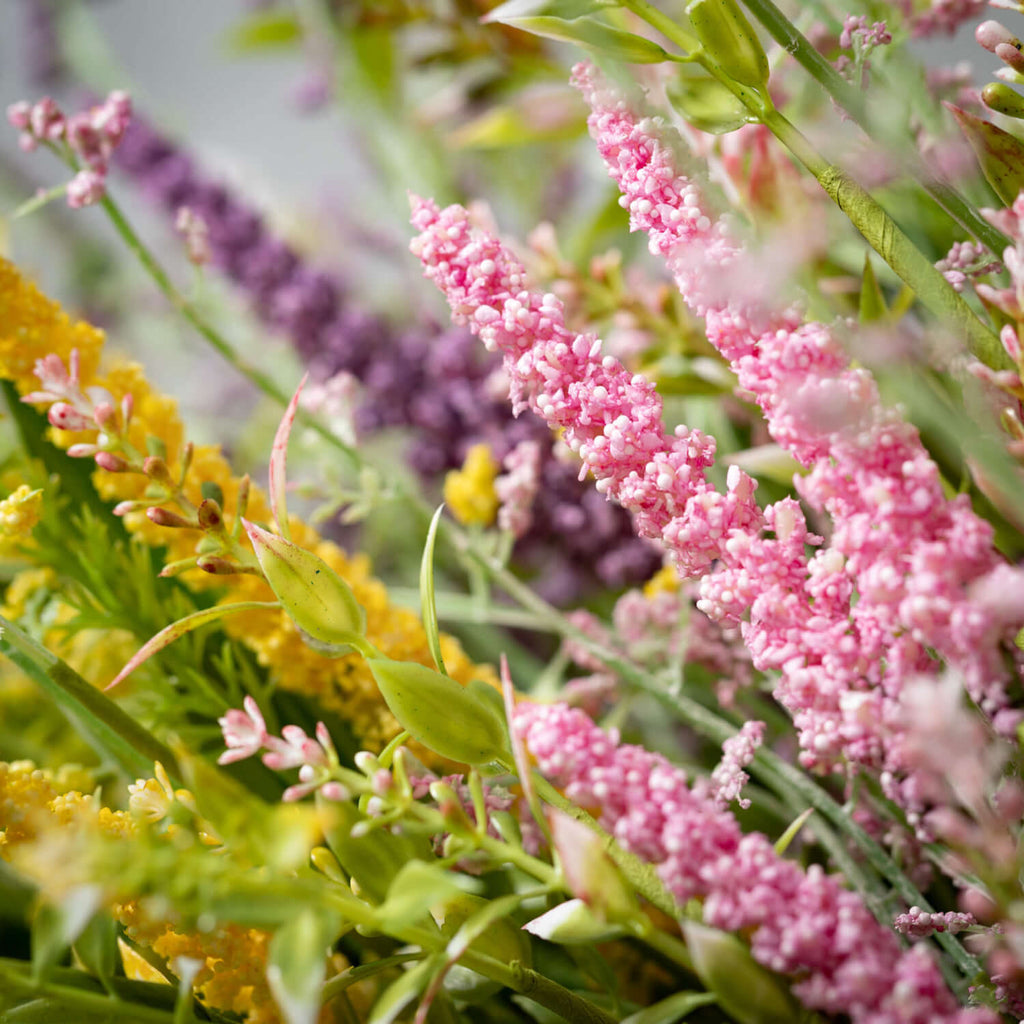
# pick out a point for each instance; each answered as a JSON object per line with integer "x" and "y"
{"x": 443, "y": 715}
{"x": 1000, "y": 154}
{"x": 595, "y": 36}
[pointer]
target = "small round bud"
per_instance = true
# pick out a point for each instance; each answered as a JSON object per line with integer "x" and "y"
{"x": 112, "y": 463}
{"x": 156, "y": 469}
{"x": 990, "y": 34}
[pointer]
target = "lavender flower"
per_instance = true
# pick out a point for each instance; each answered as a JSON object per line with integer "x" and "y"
{"x": 430, "y": 380}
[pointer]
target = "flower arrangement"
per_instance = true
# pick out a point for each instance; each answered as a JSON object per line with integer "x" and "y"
{"x": 681, "y": 679}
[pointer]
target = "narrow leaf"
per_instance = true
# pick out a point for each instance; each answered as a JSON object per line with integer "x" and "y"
{"x": 427, "y": 601}
{"x": 178, "y": 629}
{"x": 596, "y": 36}
{"x": 872, "y": 301}
{"x": 568, "y": 9}
{"x": 1000, "y": 154}
{"x": 675, "y": 1007}
{"x": 298, "y": 964}
{"x": 109, "y": 730}
{"x": 278, "y": 464}
{"x": 782, "y": 843}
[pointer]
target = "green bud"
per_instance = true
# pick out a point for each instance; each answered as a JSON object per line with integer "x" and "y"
{"x": 746, "y": 991}
{"x": 318, "y": 600}
{"x": 729, "y": 41}
{"x": 998, "y": 96}
{"x": 444, "y": 716}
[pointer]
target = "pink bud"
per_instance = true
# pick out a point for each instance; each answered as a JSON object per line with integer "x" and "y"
{"x": 104, "y": 414}
{"x": 165, "y": 517}
{"x": 18, "y": 114}
{"x": 1008, "y": 336}
{"x": 85, "y": 188}
{"x": 65, "y": 416}
{"x": 82, "y": 451}
{"x": 110, "y": 462}
{"x": 990, "y": 34}
{"x": 46, "y": 120}
{"x": 124, "y": 507}
{"x": 1011, "y": 55}
{"x": 216, "y": 566}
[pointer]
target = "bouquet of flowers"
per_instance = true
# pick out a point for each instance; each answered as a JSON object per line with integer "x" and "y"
{"x": 639, "y": 639}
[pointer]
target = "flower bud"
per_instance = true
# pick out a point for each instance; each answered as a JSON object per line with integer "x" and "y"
{"x": 165, "y": 517}
{"x": 990, "y": 34}
{"x": 156, "y": 469}
{"x": 318, "y": 600}
{"x": 729, "y": 41}
{"x": 998, "y": 96}
{"x": 111, "y": 463}
{"x": 65, "y": 416}
{"x": 441, "y": 714}
{"x": 217, "y": 566}
{"x": 209, "y": 515}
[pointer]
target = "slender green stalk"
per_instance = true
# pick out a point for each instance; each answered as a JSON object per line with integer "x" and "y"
{"x": 260, "y": 379}
{"x": 854, "y": 102}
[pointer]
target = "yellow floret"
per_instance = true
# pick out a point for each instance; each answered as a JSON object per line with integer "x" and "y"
{"x": 469, "y": 491}
{"x": 19, "y": 513}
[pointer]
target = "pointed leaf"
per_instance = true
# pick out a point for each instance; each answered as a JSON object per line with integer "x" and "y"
{"x": 401, "y": 993}
{"x": 297, "y": 964}
{"x": 675, "y": 1007}
{"x": 872, "y": 301}
{"x": 427, "y": 601}
{"x": 568, "y": 9}
{"x": 109, "y": 730}
{"x": 1000, "y": 154}
{"x": 594, "y": 35}
{"x": 787, "y": 837}
{"x": 277, "y": 484}
{"x": 178, "y": 629}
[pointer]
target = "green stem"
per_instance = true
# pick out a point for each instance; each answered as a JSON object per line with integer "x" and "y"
{"x": 260, "y": 379}
{"x": 889, "y": 241}
{"x": 854, "y": 102}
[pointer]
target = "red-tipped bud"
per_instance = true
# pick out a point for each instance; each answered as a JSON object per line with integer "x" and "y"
{"x": 209, "y": 515}
{"x": 156, "y": 469}
{"x": 83, "y": 451}
{"x": 165, "y": 517}
{"x": 1010, "y": 55}
{"x": 112, "y": 463}
{"x": 217, "y": 566}
{"x": 65, "y": 416}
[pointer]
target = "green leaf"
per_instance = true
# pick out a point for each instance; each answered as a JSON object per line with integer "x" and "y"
{"x": 297, "y": 964}
{"x": 400, "y": 994}
{"x": 706, "y": 103}
{"x": 1000, "y": 154}
{"x": 566, "y": 9}
{"x": 416, "y": 889}
{"x": 178, "y": 629}
{"x": 787, "y": 837}
{"x": 872, "y": 301}
{"x": 99, "y": 721}
{"x": 96, "y": 946}
{"x": 265, "y": 30}
{"x": 745, "y": 990}
{"x": 427, "y": 600}
{"x": 675, "y": 1007}
{"x": 595, "y": 36}
{"x": 55, "y": 926}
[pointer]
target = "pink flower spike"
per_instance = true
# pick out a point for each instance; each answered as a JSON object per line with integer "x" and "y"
{"x": 294, "y": 750}
{"x": 86, "y": 188}
{"x": 245, "y": 732}
{"x": 278, "y": 461}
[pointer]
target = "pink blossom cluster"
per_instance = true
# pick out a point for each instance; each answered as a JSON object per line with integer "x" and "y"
{"x": 801, "y": 924}
{"x": 72, "y": 408}
{"x": 728, "y": 778}
{"x": 91, "y": 136}
{"x": 856, "y": 32}
{"x": 940, "y": 16}
{"x": 517, "y": 487}
{"x": 966, "y": 260}
{"x": 906, "y": 569}
{"x": 919, "y": 923}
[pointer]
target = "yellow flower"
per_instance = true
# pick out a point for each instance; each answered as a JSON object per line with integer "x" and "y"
{"x": 32, "y": 326}
{"x": 469, "y": 491}
{"x": 664, "y": 581}
{"x": 19, "y": 512}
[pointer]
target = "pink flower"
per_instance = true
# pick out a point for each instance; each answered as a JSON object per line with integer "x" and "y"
{"x": 245, "y": 732}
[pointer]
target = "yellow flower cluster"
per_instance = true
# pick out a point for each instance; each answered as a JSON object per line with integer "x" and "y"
{"x": 19, "y": 512}
{"x": 38, "y": 809}
{"x": 31, "y": 327}
{"x": 469, "y": 491}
